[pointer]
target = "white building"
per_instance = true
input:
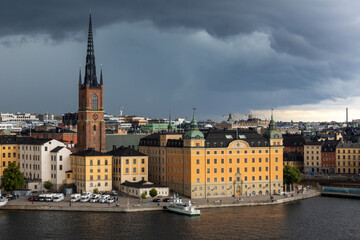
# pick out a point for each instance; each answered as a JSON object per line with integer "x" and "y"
{"x": 43, "y": 160}
{"x": 18, "y": 117}
{"x": 136, "y": 189}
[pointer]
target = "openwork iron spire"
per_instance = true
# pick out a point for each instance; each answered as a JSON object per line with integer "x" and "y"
{"x": 90, "y": 68}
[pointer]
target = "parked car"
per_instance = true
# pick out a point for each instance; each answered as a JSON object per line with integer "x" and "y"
{"x": 166, "y": 200}
{"x": 110, "y": 200}
{"x": 156, "y": 200}
{"x": 95, "y": 198}
{"x": 58, "y": 197}
{"x": 10, "y": 197}
{"x": 104, "y": 198}
{"x": 85, "y": 198}
{"x": 31, "y": 199}
{"x": 42, "y": 197}
{"x": 75, "y": 197}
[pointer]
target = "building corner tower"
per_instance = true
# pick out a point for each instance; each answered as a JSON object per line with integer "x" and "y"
{"x": 91, "y": 124}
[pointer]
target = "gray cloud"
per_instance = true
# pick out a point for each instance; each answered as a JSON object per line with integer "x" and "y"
{"x": 220, "y": 55}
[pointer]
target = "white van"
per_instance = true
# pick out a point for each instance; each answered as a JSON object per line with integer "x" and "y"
{"x": 49, "y": 197}
{"x": 75, "y": 197}
{"x": 88, "y": 192}
{"x": 58, "y": 197}
{"x": 104, "y": 198}
{"x": 95, "y": 198}
{"x": 85, "y": 198}
{"x": 42, "y": 197}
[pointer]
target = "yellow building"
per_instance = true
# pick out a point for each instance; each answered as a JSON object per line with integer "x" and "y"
{"x": 128, "y": 165}
{"x": 8, "y": 152}
{"x": 312, "y": 157}
{"x": 91, "y": 170}
{"x": 221, "y": 163}
{"x": 348, "y": 158}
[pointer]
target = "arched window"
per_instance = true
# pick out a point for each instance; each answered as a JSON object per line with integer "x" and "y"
{"x": 94, "y": 127}
{"x": 94, "y": 102}
{"x": 98, "y": 162}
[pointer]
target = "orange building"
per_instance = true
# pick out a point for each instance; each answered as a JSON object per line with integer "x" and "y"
{"x": 217, "y": 163}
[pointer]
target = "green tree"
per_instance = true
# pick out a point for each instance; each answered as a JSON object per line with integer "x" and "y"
{"x": 291, "y": 175}
{"x": 153, "y": 192}
{"x": 12, "y": 178}
{"x": 48, "y": 185}
{"x": 96, "y": 191}
{"x": 143, "y": 195}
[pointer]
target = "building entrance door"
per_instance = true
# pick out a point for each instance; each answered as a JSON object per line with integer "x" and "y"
{"x": 237, "y": 192}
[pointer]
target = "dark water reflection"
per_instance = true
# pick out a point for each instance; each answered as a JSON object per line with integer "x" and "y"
{"x": 318, "y": 218}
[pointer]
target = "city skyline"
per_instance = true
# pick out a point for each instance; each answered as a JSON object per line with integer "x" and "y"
{"x": 163, "y": 56}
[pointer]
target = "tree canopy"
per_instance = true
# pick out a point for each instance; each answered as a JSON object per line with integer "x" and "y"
{"x": 12, "y": 178}
{"x": 153, "y": 192}
{"x": 48, "y": 185}
{"x": 291, "y": 175}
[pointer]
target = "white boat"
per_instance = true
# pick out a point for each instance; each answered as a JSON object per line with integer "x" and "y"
{"x": 179, "y": 207}
{"x": 3, "y": 201}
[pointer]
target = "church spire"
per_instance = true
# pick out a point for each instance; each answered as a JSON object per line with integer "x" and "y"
{"x": 90, "y": 68}
{"x": 101, "y": 78}
{"x": 80, "y": 75}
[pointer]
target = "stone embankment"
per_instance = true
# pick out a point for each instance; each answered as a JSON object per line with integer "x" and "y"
{"x": 24, "y": 205}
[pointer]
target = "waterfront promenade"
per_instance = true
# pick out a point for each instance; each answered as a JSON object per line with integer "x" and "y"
{"x": 135, "y": 205}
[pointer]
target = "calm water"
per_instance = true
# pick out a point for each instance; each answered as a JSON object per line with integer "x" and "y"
{"x": 317, "y": 218}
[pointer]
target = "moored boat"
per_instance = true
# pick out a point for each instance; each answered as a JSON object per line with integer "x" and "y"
{"x": 177, "y": 206}
{"x": 3, "y": 201}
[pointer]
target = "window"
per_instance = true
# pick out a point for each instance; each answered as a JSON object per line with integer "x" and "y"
{"x": 276, "y": 159}
{"x": 94, "y": 102}
{"x": 142, "y": 169}
{"x": 127, "y": 170}
{"x": 91, "y": 177}
{"x": 91, "y": 162}
{"x": 127, "y": 161}
{"x": 222, "y": 170}
{"x": 60, "y": 158}
{"x": 60, "y": 167}
{"x": 208, "y": 161}
{"x": 259, "y": 169}
{"x": 106, "y": 162}
{"x": 222, "y": 161}
{"x": 253, "y": 160}
{"x": 230, "y": 179}
{"x": 208, "y": 179}
{"x": 98, "y": 177}
{"x": 208, "y": 170}
{"x": 94, "y": 127}
{"x": 238, "y": 160}
{"x": 245, "y": 178}
{"x": 245, "y": 169}
{"x": 198, "y": 180}
{"x": 46, "y": 149}
{"x": 143, "y": 161}
{"x": 222, "y": 179}
{"x": 98, "y": 170}
{"x": 230, "y": 170}
{"x": 91, "y": 170}
{"x": 215, "y": 170}
{"x": 253, "y": 169}
{"x": 230, "y": 160}
{"x": 197, "y": 161}
{"x": 215, "y": 161}
{"x": 215, "y": 179}
{"x": 106, "y": 176}
{"x": 98, "y": 162}
{"x": 276, "y": 168}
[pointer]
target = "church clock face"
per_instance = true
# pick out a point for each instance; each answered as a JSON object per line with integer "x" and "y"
{"x": 95, "y": 116}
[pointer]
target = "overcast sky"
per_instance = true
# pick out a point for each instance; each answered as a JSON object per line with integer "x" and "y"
{"x": 301, "y": 58}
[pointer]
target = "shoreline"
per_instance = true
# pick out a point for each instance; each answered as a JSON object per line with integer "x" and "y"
{"x": 79, "y": 208}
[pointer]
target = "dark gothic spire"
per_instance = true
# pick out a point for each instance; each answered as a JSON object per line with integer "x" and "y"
{"x": 101, "y": 78}
{"x": 90, "y": 68}
{"x": 80, "y": 75}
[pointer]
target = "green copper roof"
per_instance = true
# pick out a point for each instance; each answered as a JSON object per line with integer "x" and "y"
{"x": 194, "y": 132}
{"x": 272, "y": 132}
{"x": 230, "y": 119}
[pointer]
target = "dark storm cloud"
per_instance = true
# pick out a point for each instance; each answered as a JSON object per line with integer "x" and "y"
{"x": 220, "y": 55}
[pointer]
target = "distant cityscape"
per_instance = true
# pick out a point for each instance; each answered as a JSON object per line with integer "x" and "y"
{"x": 243, "y": 155}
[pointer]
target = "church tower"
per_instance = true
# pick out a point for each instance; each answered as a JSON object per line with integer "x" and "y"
{"x": 91, "y": 124}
